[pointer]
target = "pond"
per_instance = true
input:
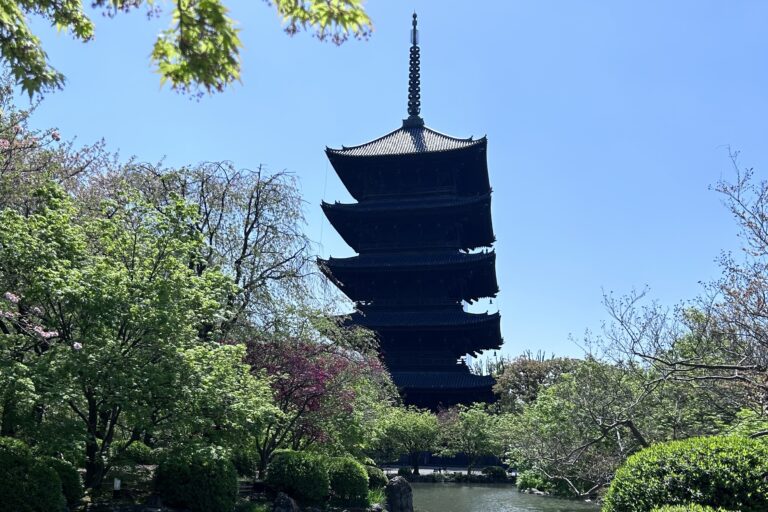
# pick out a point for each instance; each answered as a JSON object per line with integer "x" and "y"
{"x": 488, "y": 498}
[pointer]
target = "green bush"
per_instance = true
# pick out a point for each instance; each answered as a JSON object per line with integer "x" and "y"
{"x": 301, "y": 475}
{"x": 71, "y": 484}
{"x": 249, "y": 506}
{"x": 405, "y": 472}
{"x": 727, "y": 472}
{"x": 246, "y": 462}
{"x": 530, "y": 479}
{"x": 687, "y": 508}
{"x": 27, "y": 484}
{"x": 201, "y": 481}
{"x": 133, "y": 453}
{"x": 349, "y": 481}
{"x": 495, "y": 473}
{"x": 376, "y": 477}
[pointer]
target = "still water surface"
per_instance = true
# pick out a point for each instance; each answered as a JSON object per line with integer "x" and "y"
{"x": 488, "y": 498}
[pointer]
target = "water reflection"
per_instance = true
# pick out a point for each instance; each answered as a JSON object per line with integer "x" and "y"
{"x": 488, "y": 498}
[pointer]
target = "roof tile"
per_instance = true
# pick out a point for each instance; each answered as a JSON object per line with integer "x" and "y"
{"x": 405, "y": 141}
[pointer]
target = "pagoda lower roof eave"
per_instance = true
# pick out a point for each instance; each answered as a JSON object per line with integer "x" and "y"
{"x": 429, "y": 319}
{"x": 412, "y": 260}
{"x": 441, "y": 380}
{"x": 390, "y": 205}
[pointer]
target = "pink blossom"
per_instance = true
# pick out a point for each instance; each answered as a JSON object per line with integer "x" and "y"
{"x": 37, "y": 311}
{"x": 10, "y": 297}
{"x": 77, "y": 346}
{"x": 7, "y": 314}
{"x": 43, "y": 333}
{"x": 55, "y": 135}
{"x": 4, "y": 144}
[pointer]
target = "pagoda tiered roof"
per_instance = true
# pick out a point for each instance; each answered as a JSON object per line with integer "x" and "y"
{"x": 411, "y": 260}
{"x": 441, "y": 380}
{"x": 407, "y": 141}
{"x": 443, "y": 221}
{"x": 414, "y": 277}
{"x": 408, "y": 205}
{"x": 425, "y": 319}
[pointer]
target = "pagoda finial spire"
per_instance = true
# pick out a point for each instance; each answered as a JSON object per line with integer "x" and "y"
{"x": 414, "y": 80}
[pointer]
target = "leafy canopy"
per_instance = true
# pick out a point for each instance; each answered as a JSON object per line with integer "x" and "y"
{"x": 198, "y": 53}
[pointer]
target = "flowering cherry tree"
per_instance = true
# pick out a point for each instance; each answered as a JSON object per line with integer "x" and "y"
{"x": 320, "y": 389}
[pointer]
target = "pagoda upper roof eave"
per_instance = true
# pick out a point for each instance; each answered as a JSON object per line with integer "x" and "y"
{"x": 409, "y": 141}
{"x": 411, "y": 261}
{"x": 387, "y": 206}
{"x": 423, "y": 320}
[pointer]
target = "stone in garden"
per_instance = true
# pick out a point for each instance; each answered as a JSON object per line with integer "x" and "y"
{"x": 284, "y": 503}
{"x": 399, "y": 495}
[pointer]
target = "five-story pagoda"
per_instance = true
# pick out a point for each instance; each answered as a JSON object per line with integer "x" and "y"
{"x": 422, "y": 228}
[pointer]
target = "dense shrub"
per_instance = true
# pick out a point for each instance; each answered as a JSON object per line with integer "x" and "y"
{"x": 246, "y": 462}
{"x": 301, "y": 475}
{"x": 405, "y": 472}
{"x": 687, "y": 508}
{"x": 201, "y": 481}
{"x": 495, "y": 473}
{"x": 71, "y": 484}
{"x": 349, "y": 481}
{"x": 249, "y": 506}
{"x": 530, "y": 479}
{"x": 725, "y": 472}
{"x": 133, "y": 453}
{"x": 376, "y": 477}
{"x": 27, "y": 484}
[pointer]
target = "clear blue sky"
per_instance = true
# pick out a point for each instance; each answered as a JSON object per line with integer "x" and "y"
{"x": 606, "y": 120}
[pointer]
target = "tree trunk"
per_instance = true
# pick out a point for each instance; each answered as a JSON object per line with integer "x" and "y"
{"x": 415, "y": 462}
{"x": 94, "y": 468}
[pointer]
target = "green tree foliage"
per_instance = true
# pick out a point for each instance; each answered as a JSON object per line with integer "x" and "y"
{"x": 204, "y": 480}
{"x": 469, "y": 430}
{"x": 198, "y": 53}
{"x": 530, "y": 479}
{"x": 727, "y": 472}
{"x": 408, "y": 431}
{"x": 687, "y": 508}
{"x": 27, "y": 484}
{"x": 523, "y": 377}
{"x": 580, "y": 429}
{"x": 108, "y": 309}
{"x": 251, "y": 223}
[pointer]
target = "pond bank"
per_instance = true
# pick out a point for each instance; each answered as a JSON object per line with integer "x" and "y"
{"x": 454, "y": 497}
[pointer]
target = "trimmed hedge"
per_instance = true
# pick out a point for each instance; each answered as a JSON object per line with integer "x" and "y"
{"x": 495, "y": 473}
{"x": 727, "y": 472}
{"x": 27, "y": 484}
{"x": 71, "y": 484}
{"x": 349, "y": 482}
{"x": 301, "y": 475}
{"x": 405, "y": 472}
{"x": 376, "y": 477}
{"x": 201, "y": 481}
